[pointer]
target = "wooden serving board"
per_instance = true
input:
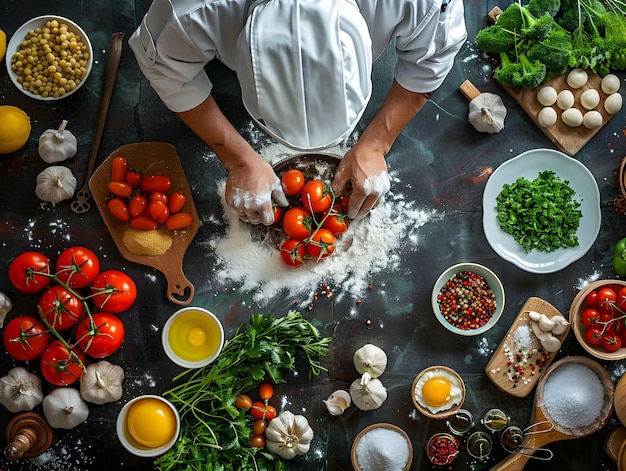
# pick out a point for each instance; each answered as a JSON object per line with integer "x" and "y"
{"x": 567, "y": 139}
{"x": 152, "y": 158}
{"x": 497, "y": 369}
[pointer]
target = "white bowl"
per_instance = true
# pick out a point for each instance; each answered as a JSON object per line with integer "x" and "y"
{"x": 492, "y": 280}
{"x": 20, "y": 35}
{"x": 130, "y": 443}
{"x": 192, "y": 337}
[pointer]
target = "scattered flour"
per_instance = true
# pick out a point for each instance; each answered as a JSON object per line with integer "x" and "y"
{"x": 582, "y": 283}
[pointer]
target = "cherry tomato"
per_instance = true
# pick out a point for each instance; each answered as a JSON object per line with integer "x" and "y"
{"x": 257, "y": 441}
{"x": 61, "y": 308}
{"x": 590, "y": 316}
{"x": 592, "y": 298}
{"x": 316, "y": 196}
{"x": 606, "y": 299}
{"x": 266, "y": 391}
{"x": 176, "y": 202}
{"x": 25, "y": 338}
{"x": 118, "y": 208}
{"x": 243, "y": 401}
{"x": 278, "y": 213}
{"x": 152, "y": 183}
{"x": 621, "y": 298}
{"x": 103, "y": 337}
{"x": 321, "y": 244}
{"x": 158, "y": 196}
{"x": 121, "y": 189}
{"x": 270, "y": 413}
{"x": 292, "y": 182}
{"x": 60, "y": 366}
{"x": 292, "y": 252}
{"x": 145, "y": 223}
{"x": 119, "y": 167}
{"x": 77, "y": 266}
{"x": 133, "y": 177}
{"x": 178, "y": 221}
{"x": 24, "y": 272}
{"x": 259, "y": 426}
{"x": 611, "y": 342}
{"x": 345, "y": 203}
{"x": 114, "y": 291}
{"x": 137, "y": 206}
{"x": 297, "y": 223}
{"x": 594, "y": 336}
{"x": 336, "y": 223}
{"x": 156, "y": 209}
{"x": 164, "y": 216}
{"x": 258, "y": 410}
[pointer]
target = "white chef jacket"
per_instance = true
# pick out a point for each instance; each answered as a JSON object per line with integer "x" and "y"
{"x": 177, "y": 38}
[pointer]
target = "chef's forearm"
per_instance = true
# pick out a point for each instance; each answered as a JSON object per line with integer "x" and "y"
{"x": 399, "y": 107}
{"x": 210, "y": 124}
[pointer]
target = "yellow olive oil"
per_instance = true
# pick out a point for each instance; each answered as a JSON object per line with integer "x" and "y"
{"x": 194, "y": 336}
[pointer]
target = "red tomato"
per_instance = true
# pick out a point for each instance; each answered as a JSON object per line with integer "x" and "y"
{"x": 321, "y": 244}
{"x": 345, "y": 203}
{"x": 61, "y": 308}
{"x": 121, "y": 189}
{"x": 592, "y": 298}
{"x": 137, "y": 206}
{"x": 270, "y": 413}
{"x": 292, "y": 252}
{"x": 145, "y": 223}
{"x": 133, "y": 177}
{"x": 25, "y": 269}
{"x": 316, "y": 196}
{"x": 152, "y": 183}
{"x": 292, "y": 182}
{"x": 594, "y": 336}
{"x": 119, "y": 167}
{"x": 278, "y": 213}
{"x": 297, "y": 223}
{"x": 590, "y": 316}
{"x": 114, "y": 291}
{"x": 158, "y": 196}
{"x": 156, "y": 209}
{"x": 60, "y": 366}
{"x": 258, "y": 410}
{"x": 25, "y": 338}
{"x": 336, "y": 223}
{"x": 611, "y": 342}
{"x": 178, "y": 221}
{"x": 77, "y": 266}
{"x": 257, "y": 441}
{"x": 621, "y": 298}
{"x": 606, "y": 299}
{"x": 103, "y": 337}
{"x": 266, "y": 391}
{"x": 176, "y": 202}
{"x": 118, "y": 208}
{"x": 243, "y": 401}
{"x": 259, "y": 426}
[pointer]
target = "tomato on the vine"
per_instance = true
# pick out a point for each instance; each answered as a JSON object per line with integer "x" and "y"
{"x": 259, "y": 426}
{"x": 25, "y": 269}
{"x": 606, "y": 299}
{"x": 61, "y": 366}
{"x": 594, "y": 336}
{"x": 77, "y": 266}
{"x": 292, "y": 252}
{"x": 25, "y": 338}
{"x": 337, "y": 223}
{"x": 257, "y": 441}
{"x": 297, "y": 223}
{"x": 61, "y": 308}
{"x": 114, "y": 291}
{"x": 592, "y": 298}
{"x": 278, "y": 213}
{"x": 621, "y": 298}
{"x": 243, "y": 401}
{"x": 611, "y": 342}
{"x": 590, "y": 316}
{"x": 261, "y": 411}
{"x": 266, "y": 391}
{"x": 292, "y": 181}
{"x": 321, "y": 244}
{"x": 102, "y": 338}
{"x": 270, "y": 413}
{"x": 316, "y": 196}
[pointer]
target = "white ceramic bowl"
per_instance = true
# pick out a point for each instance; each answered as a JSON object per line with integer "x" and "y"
{"x": 130, "y": 443}
{"x": 20, "y": 35}
{"x": 192, "y": 337}
{"x": 491, "y": 279}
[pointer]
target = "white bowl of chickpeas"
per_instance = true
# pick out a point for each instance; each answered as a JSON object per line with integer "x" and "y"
{"x": 49, "y": 57}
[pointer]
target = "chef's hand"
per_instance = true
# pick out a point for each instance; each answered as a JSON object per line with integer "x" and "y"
{"x": 250, "y": 189}
{"x": 366, "y": 170}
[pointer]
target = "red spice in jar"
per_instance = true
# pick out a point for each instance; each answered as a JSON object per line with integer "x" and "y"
{"x": 467, "y": 301}
{"x": 442, "y": 449}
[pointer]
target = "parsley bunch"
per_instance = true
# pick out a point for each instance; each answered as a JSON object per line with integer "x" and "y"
{"x": 540, "y": 215}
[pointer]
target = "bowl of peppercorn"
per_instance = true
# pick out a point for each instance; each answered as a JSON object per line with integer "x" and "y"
{"x": 468, "y": 299}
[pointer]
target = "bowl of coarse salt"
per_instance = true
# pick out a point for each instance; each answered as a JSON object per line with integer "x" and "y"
{"x": 382, "y": 446}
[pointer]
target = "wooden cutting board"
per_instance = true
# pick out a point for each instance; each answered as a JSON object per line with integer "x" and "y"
{"x": 567, "y": 139}
{"x": 152, "y": 158}
{"x": 501, "y": 373}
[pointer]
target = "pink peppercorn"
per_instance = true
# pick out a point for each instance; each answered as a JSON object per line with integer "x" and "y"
{"x": 466, "y": 301}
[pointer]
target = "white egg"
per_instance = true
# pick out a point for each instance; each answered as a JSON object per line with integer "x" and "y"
{"x": 590, "y": 98}
{"x": 592, "y": 119}
{"x": 565, "y": 99}
{"x": 547, "y": 117}
{"x": 577, "y": 78}
{"x": 613, "y": 103}
{"x": 438, "y": 390}
{"x": 610, "y": 84}
{"x": 547, "y": 95}
{"x": 572, "y": 117}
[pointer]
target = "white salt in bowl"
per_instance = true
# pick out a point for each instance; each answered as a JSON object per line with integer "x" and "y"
{"x": 378, "y": 444}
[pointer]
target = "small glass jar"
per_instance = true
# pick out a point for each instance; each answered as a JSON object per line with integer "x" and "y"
{"x": 495, "y": 420}
{"x": 460, "y": 423}
{"x": 442, "y": 448}
{"x": 479, "y": 445}
{"x": 511, "y": 438}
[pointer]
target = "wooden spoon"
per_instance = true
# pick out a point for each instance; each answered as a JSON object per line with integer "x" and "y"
{"x": 534, "y": 441}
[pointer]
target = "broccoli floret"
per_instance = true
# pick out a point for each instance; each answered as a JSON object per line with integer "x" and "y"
{"x": 539, "y": 8}
{"x": 495, "y": 39}
{"x": 534, "y": 28}
{"x": 533, "y": 73}
{"x": 552, "y": 51}
{"x": 511, "y": 18}
{"x": 508, "y": 73}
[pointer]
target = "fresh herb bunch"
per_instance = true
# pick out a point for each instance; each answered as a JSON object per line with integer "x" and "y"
{"x": 540, "y": 215}
{"x": 215, "y": 435}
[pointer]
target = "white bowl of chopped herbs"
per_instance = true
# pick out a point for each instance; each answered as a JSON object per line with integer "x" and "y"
{"x": 541, "y": 210}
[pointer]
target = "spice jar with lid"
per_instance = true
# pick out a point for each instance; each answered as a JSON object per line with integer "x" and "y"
{"x": 479, "y": 445}
{"x": 495, "y": 420}
{"x": 460, "y": 423}
{"x": 511, "y": 438}
{"x": 442, "y": 448}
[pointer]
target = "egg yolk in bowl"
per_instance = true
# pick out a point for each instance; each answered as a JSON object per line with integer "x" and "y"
{"x": 151, "y": 422}
{"x": 436, "y": 391}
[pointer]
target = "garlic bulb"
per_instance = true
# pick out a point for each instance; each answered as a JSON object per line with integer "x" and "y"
{"x": 338, "y": 402}
{"x": 5, "y": 307}
{"x": 55, "y": 184}
{"x": 56, "y": 145}
{"x": 20, "y": 390}
{"x": 370, "y": 359}
{"x": 487, "y": 113}
{"x": 65, "y": 408}
{"x": 368, "y": 394}
{"x": 288, "y": 435}
{"x": 101, "y": 382}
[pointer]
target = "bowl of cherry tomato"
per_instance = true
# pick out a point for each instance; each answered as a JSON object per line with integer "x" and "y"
{"x": 598, "y": 317}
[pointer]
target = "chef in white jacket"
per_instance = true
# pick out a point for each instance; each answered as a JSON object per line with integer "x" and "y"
{"x": 304, "y": 67}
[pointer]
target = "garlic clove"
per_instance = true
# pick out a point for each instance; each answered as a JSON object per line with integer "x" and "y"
{"x": 545, "y": 323}
{"x": 551, "y": 343}
{"x": 534, "y": 316}
{"x": 338, "y": 402}
{"x": 560, "y": 325}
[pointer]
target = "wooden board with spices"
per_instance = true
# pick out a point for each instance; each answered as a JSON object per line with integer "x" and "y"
{"x": 519, "y": 360}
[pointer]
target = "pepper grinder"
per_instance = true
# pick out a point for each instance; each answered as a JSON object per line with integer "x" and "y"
{"x": 27, "y": 435}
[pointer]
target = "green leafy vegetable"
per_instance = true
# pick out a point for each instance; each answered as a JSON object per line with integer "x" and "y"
{"x": 215, "y": 435}
{"x": 540, "y": 215}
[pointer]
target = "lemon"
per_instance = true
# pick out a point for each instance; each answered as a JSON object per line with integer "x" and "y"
{"x": 14, "y": 128}
{"x": 3, "y": 44}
